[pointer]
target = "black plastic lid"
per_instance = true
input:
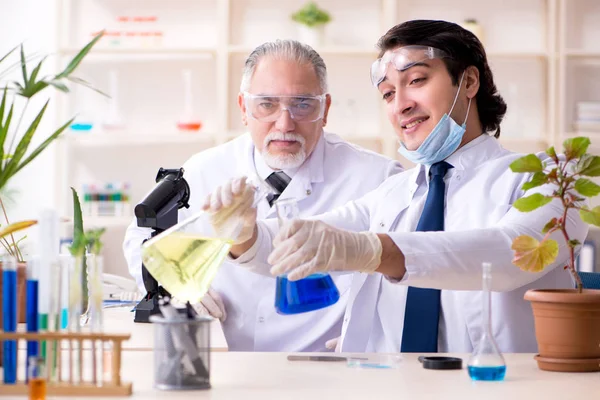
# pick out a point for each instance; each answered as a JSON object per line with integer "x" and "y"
{"x": 441, "y": 362}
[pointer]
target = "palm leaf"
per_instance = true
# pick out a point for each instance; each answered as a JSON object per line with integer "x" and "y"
{"x": 4, "y": 125}
{"x": 79, "y": 57}
{"x": 23, "y": 66}
{"x": 2, "y": 130}
{"x": 13, "y": 163}
{"x": 45, "y": 144}
{"x": 9, "y": 53}
{"x": 88, "y": 85}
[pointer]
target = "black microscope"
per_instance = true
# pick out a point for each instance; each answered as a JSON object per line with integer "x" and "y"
{"x": 159, "y": 212}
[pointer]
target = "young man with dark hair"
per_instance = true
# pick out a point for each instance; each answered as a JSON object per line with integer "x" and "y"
{"x": 427, "y": 231}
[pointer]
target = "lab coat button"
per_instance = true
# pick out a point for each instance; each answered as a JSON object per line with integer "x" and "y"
{"x": 308, "y": 192}
{"x": 261, "y": 319}
{"x": 381, "y": 224}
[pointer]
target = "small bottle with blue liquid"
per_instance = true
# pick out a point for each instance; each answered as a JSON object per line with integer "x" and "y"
{"x": 314, "y": 292}
{"x": 486, "y": 362}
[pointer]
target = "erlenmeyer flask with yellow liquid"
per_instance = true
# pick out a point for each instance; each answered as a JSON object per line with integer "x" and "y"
{"x": 185, "y": 258}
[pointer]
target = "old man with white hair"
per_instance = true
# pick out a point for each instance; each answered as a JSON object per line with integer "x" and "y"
{"x": 284, "y": 104}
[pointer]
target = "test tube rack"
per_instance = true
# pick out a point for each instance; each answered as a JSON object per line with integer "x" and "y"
{"x": 73, "y": 343}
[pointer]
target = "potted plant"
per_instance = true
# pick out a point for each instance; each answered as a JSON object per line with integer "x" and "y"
{"x": 311, "y": 21}
{"x": 15, "y": 153}
{"x": 567, "y": 322}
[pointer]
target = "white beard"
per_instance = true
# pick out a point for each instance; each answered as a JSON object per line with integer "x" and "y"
{"x": 286, "y": 160}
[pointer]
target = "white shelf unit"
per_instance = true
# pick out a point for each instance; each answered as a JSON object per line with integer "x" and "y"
{"x": 530, "y": 44}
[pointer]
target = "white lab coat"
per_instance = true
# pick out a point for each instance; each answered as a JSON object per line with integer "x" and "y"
{"x": 335, "y": 173}
{"x": 480, "y": 225}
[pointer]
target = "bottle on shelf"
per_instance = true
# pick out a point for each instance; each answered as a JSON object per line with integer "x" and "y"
{"x": 113, "y": 120}
{"x": 188, "y": 120}
{"x": 471, "y": 24}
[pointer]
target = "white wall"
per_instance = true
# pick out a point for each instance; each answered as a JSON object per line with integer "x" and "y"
{"x": 34, "y": 23}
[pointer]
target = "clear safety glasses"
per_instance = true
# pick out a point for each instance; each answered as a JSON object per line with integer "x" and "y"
{"x": 402, "y": 59}
{"x": 269, "y": 108}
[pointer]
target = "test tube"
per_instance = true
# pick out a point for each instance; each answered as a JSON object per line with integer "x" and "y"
{"x": 32, "y": 315}
{"x": 9, "y": 313}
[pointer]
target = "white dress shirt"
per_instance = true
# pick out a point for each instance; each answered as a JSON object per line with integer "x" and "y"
{"x": 335, "y": 173}
{"x": 480, "y": 225}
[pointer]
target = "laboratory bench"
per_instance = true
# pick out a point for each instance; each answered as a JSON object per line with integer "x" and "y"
{"x": 264, "y": 376}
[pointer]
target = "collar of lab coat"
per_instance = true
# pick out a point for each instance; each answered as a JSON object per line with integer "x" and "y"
{"x": 471, "y": 154}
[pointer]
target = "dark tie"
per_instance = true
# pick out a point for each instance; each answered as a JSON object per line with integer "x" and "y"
{"x": 422, "y": 312}
{"x": 278, "y": 181}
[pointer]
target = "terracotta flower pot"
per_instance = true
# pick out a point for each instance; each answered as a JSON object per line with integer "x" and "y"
{"x": 567, "y": 328}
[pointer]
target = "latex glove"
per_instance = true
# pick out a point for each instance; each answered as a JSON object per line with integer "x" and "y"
{"x": 231, "y": 210}
{"x": 302, "y": 248}
{"x": 212, "y": 304}
{"x": 332, "y": 344}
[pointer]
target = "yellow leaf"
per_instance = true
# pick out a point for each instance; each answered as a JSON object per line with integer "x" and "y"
{"x": 16, "y": 226}
{"x": 533, "y": 256}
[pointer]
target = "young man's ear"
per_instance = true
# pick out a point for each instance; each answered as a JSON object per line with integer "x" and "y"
{"x": 472, "y": 81}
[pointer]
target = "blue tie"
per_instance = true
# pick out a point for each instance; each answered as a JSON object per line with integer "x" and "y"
{"x": 423, "y": 305}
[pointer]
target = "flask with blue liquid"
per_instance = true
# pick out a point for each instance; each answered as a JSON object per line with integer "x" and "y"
{"x": 311, "y": 293}
{"x": 486, "y": 362}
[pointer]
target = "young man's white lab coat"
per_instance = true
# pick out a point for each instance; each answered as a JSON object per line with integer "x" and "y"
{"x": 335, "y": 173}
{"x": 480, "y": 225}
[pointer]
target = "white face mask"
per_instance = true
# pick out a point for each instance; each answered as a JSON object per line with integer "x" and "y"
{"x": 442, "y": 141}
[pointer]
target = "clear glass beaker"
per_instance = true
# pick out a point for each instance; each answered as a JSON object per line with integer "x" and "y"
{"x": 486, "y": 362}
{"x": 314, "y": 292}
{"x": 185, "y": 258}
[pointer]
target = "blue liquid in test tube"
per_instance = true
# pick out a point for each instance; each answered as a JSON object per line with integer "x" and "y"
{"x": 9, "y": 323}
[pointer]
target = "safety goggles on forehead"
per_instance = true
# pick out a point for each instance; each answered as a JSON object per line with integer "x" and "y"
{"x": 402, "y": 59}
{"x": 267, "y": 108}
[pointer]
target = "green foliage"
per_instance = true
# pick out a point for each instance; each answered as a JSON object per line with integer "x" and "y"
{"x": 530, "y": 203}
{"x": 311, "y": 15}
{"x": 571, "y": 190}
{"x": 16, "y": 154}
{"x": 13, "y": 158}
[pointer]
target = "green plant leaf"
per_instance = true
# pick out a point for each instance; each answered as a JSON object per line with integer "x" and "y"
{"x": 528, "y": 163}
{"x": 590, "y": 216}
{"x": 574, "y": 243}
{"x": 4, "y": 125}
{"x": 575, "y": 147}
{"x": 12, "y": 165}
{"x": 589, "y": 165}
{"x": 4, "y": 57}
{"x": 79, "y": 57}
{"x": 538, "y": 179}
{"x": 23, "y": 66}
{"x": 551, "y": 152}
{"x": 42, "y": 146}
{"x": 93, "y": 239}
{"x": 551, "y": 224}
{"x": 79, "y": 242}
{"x": 586, "y": 187}
{"x": 532, "y": 255}
{"x": 530, "y": 203}
{"x": 58, "y": 85}
{"x": 36, "y": 70}
{"x": 86, "y": 84}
